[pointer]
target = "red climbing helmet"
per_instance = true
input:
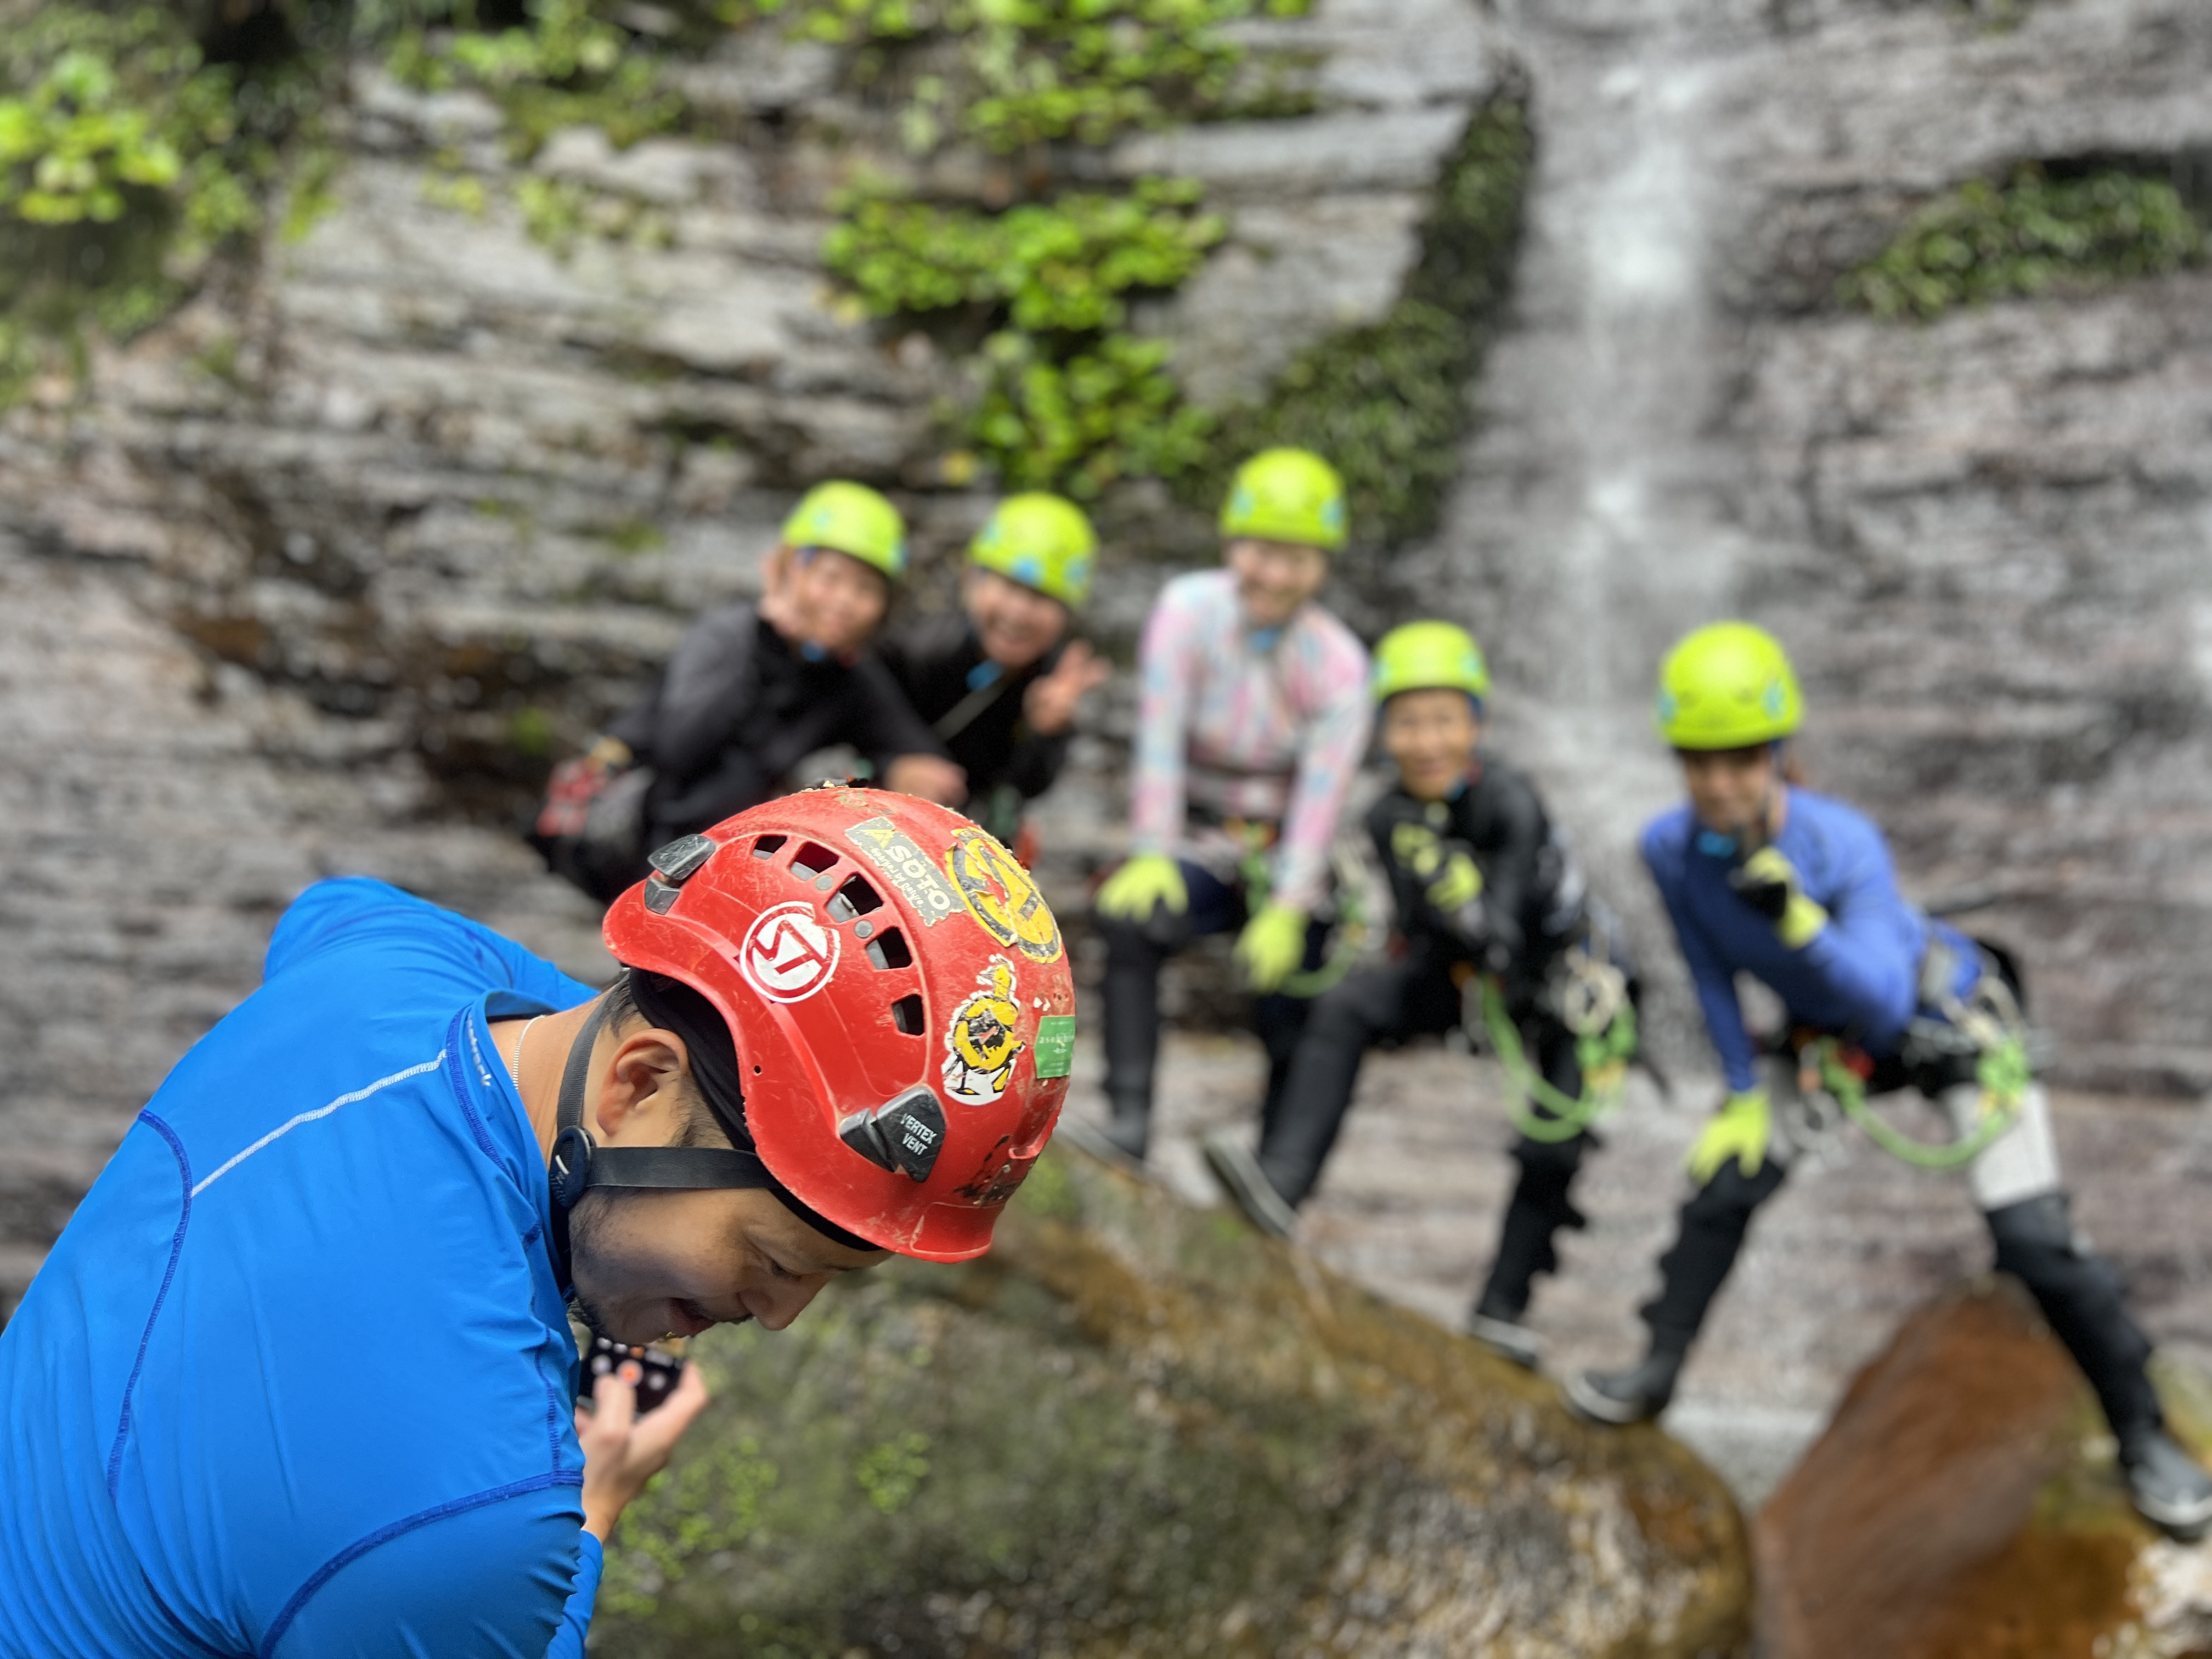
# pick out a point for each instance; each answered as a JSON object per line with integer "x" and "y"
{"x": 898, "y": 994}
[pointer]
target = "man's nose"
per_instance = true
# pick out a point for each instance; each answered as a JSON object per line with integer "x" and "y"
{"x": 777, "y": 1305}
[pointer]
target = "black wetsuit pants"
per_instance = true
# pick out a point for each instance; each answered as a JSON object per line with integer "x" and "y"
{"x": 2080, "y": 1294}
{"x": 1135, "y": 952}
{"x": 1410, "y": 998}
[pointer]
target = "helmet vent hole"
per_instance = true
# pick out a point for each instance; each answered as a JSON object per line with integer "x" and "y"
{"x": 768, "y": 846}
{"x": 813, "y": 859}
{"x": 888, "y": 950}
{"x": 906, "y": 1012}
{"x": 854, "y": 898}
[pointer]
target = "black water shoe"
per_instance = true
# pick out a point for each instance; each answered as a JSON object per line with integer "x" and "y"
{"x": 2169, "y": 1486}
{"x": 1505, "y": 1335}
{"x": 1629, "y": 1396}
{"x": 1244, "y": 1180}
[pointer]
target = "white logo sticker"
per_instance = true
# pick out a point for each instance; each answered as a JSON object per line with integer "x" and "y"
{"x": 788, "y": 955}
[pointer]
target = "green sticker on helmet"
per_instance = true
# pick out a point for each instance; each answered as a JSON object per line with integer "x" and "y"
{"x": 1056, "y": 1045}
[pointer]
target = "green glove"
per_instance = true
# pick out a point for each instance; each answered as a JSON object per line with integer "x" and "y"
{"x": 1458, "y": 885}
{"x": 1768, "y": 882}
{"x": 1739, "y": 1130}
{"x": 1271, "y": 946}
{"x": 1142, "y": 882}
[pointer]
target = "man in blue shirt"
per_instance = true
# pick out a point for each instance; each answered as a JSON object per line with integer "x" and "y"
{"x": 297, "y": 1377}
{"x": 1797, "y": 889}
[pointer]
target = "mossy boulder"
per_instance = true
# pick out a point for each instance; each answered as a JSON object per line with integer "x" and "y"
{"x": 1136, "y": 1428}
{"x": 1966, "y": 1503}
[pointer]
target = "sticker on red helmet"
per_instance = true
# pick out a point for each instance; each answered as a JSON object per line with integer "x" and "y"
{"x": 979, "y": 1045}
{"x": 892, "y": 851}
{"x": 1056, "y": 1045}
{"x": 788, "y": 955}
{"x": 1001, "y": 895}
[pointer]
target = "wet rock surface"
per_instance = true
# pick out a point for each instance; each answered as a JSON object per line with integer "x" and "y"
{"x": 1138, "y": 1428}
{"x": 1965, "y": 1503}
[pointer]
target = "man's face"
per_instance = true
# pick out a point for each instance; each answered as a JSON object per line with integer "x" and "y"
{"x": 836, "y": 599}
{"x": 648, "y": 1263}
{"x": 1729, "y": 788}
{"x": 651, "y": 1263}
{"x": 1432, "y": 735}
{"x": 1015, "y": 624}
{"x": 1273, "y": 579}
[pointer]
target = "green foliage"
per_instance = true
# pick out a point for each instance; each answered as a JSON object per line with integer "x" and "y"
{"x": 568, "y": 67}
{"x": 709, "y": 1501}
{"x": 1063, "y": 265}
{"x": 1387, "y": 402}
{"x": 2027, "y": 236}
{"x": 126, "y": 160}
{"x": 1081, "y": 420}
{"x": 1033, "y": 71}
{"x": 891, "y": 1474}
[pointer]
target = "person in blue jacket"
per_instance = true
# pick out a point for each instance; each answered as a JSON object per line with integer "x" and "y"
{"x": 298, "y": 1377}
{"x": 1797, "y": 889}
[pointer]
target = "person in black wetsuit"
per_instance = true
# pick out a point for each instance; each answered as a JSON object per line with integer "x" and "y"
{"x": 753, "y": 690}
{"x": 1482, "y": 886}
{"x": 1000, "y": 681}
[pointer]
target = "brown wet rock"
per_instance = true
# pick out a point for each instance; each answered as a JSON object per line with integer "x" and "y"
{"x": 1138, "y": 1428}
{"x": 1964, "y": 1503}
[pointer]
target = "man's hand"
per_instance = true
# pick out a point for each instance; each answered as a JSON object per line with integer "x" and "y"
{"x": 1271, "y": 946}
{"x": 1740, "y": 1130}
{"x": 933, "y": 777}
{"x": 621, "y": 1450}
{"x": 1768, "y": 882}
{"x": 1050, "y": 702}
{"x": 1145, "y": 879}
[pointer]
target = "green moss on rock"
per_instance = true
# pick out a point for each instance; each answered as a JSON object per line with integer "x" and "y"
{"x": 2027, "y": 235}
{"x": 1132, "y": 1430}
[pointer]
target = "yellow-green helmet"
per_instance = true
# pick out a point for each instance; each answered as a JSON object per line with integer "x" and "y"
{"x": 1287, "y": 495}
{"x": 1042, "y": 541}
{"x": 1428, "y": 656}
{"x": 1729, "y": 685}
{"x": 853, "y": 519}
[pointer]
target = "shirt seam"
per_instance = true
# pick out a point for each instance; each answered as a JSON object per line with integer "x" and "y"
{"x": 146, "y": 1337}
{"x": 384, "y": 1535}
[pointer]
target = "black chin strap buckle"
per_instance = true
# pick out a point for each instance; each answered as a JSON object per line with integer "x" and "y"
{"x": 569, "y": 1170}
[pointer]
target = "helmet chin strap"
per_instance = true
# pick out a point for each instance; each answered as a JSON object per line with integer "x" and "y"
{"x": 580, "y": 1162}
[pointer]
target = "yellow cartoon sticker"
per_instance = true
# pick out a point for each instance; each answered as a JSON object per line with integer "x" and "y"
{"x": 979, "y": 1045}
{"x": 1001, "y": 896}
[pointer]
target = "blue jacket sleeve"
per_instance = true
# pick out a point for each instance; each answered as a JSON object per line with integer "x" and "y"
{"x": 1870, "y": 953}
{"x": 502, "y": 1580}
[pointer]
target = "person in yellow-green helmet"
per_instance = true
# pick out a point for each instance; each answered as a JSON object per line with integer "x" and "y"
{"x": 1764, "y": 878}
{"x": 1252, "y": 718}
{"x": 1000, "y": 681}
{"x": 751, "y": 690}
{"x": 1484, "y": 889}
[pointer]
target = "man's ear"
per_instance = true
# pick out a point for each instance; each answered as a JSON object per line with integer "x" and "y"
{"x": 641, "y": 1098}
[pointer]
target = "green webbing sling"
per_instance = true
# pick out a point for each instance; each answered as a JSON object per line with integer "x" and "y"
{"x": 1602, "y": 1051}
{"x": 2002, "y": 1071}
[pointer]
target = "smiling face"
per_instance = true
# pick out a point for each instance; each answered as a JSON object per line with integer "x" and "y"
{"x": 1273, "y": 579}
{"x": 834, "y": 599}
{"x": 1431, "y": 734}
{"x": 1016, "y": 625}
{"x": 651, "y": 1263}
{"x": 1731, "y": 790}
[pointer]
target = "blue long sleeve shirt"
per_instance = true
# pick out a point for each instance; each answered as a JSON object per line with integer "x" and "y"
{"x": 296, "y": 1379}
{"x": 1860, "y": 976}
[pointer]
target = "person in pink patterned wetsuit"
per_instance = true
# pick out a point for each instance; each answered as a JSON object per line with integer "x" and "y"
{"x": 1252, "y": 717}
